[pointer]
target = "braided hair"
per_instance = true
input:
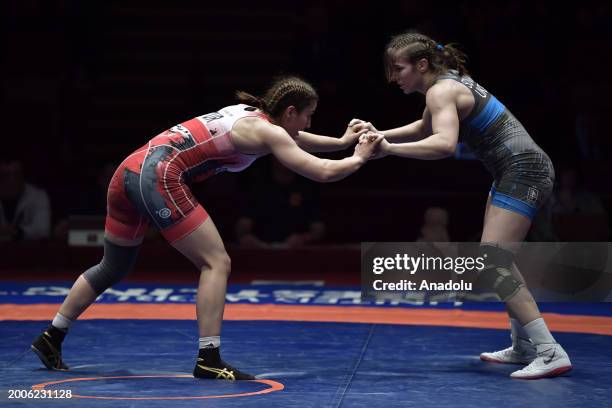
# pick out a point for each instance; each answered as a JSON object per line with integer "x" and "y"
{"x": 284, "y": 92}
{"x": 414, "y": 46}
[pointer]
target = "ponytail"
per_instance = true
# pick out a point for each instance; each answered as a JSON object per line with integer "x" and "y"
{"x": 452, "y": 58}
{"x": 251, "y": 100}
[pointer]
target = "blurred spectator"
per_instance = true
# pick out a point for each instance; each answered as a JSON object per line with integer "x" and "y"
{"x": 589, "y": 139}
{"x": 283, "y": 211}
{"x": 435, "y": 225}
{"x": 25, "y": 211}
{"x": 89, "y": 202}
{"x": 578, "y": 214}
{"x": 92, "y": 202}
{"x": 572, "y": 197}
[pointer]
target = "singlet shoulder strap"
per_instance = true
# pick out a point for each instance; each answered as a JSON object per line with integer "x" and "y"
{"x": 451, "y": 74}
{"x": 253, "y": 111}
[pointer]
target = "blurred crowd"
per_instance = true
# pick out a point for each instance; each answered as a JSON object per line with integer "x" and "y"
{"x": 78, "y": 108}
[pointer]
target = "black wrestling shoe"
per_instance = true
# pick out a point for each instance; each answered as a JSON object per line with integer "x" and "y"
{"x": 210, "y": 365}
{"x": 48, "y": 347}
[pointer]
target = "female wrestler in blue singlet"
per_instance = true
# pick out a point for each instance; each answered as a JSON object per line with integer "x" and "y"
{"x": 459, "y": 109}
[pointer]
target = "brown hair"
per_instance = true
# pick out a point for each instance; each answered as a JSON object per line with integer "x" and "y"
{"x": 284, "y": 92}
{"x": 414, "y": 46}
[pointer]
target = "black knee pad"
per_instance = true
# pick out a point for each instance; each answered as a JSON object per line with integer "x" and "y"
{"x": 117, "y": 262}
{"x": 497, "y": 274}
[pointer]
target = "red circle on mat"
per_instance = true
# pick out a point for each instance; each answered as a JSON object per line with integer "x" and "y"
{"x": 273, "y": 386}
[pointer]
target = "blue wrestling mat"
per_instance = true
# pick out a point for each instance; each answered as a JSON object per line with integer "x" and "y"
{"x": 147, "y": 362}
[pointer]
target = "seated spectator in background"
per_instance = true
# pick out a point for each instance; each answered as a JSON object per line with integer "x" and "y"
{"x": 578, "y": 214}
{"x": 571, "y": 197}
{"x": 589, "y": 138}
{"x": 435, "y": 226}
{"x": 284, "y": 213}
{"x": 25, "y": 212}
{"x": 89, "y": 202}
{"x": 92, "y": 202}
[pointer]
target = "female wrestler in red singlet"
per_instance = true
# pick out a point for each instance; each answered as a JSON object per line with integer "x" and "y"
{"x": 151, "y": 186}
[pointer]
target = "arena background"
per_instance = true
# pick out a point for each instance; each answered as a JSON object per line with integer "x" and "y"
{"x": 85, "y": 83}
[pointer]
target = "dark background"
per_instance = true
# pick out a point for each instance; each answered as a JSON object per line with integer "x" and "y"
{"x": 87, "y": 82}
